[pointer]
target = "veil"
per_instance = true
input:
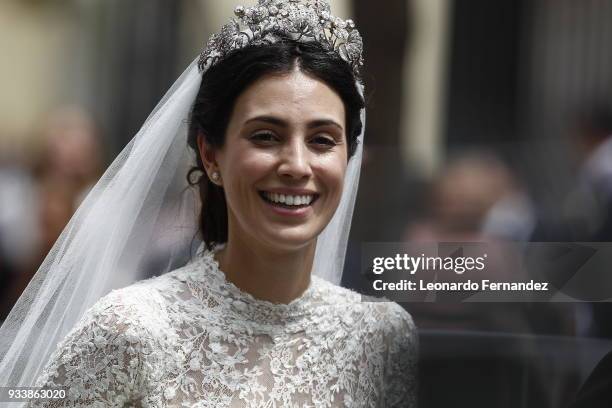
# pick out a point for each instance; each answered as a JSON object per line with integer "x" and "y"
{"x": 141, "y": 214}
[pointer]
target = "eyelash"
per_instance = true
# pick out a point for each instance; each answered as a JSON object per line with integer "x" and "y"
{"x": 326, "y": 141}
{"x": 267, "y": 137}
{"x": 258, "y": 136}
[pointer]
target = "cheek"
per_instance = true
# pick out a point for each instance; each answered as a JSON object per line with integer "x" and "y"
{"x": 256, "y": 165}
{"x": 246, "y": 168}
{"x": 332, "y": 173}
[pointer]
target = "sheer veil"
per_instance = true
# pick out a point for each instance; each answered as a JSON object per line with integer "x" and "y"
{"x": 140, "y": 212}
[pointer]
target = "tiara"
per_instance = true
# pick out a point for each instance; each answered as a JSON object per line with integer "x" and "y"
{"x": 271, "y": 20}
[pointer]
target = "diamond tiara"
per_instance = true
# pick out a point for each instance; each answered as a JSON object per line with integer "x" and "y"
{"x": 270, "y": 20}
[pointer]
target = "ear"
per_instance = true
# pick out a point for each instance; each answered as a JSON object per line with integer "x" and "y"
{"x": 208, "y": 156}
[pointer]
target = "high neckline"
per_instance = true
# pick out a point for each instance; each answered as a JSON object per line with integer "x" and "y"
{"x": 244, "y": 304}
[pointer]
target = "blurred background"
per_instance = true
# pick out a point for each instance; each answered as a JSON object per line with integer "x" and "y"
{"x": 487, "y": 121}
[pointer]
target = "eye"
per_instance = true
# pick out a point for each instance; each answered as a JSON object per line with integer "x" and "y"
{"x": 264, "y": 137}
{"x": 324, "y": 141}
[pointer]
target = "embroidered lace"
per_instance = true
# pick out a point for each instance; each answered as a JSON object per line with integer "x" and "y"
{"x": 190, "y": 338}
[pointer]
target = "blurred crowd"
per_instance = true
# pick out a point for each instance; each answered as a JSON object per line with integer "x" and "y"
{"x": 482, "y": 196}
{"x": 477, "y": 197}
{"x": 40, "y": 191}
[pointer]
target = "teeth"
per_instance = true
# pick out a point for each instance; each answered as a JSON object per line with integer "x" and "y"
{"x": 289, "y": 199}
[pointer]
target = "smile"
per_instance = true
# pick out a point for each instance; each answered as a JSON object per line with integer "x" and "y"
{"x": 289, "y": 201}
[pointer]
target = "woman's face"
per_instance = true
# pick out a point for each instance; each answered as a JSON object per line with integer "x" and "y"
{"x": 283, "y": 162}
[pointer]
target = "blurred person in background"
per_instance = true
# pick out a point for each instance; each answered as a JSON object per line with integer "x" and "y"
{"x": 18, "y": 227}
{"x": 586, "y": 212}
{"x": 477, "y": 198}
{"x": 69, "y": 163}
{"x": 588, "y": 209}
{"x": 72, "y": 154}
{"x": 38, "y": 203}
{"x": 591, "y": 201}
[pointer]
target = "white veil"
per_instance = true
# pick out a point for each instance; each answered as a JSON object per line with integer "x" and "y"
{"x": 141, "y": 210}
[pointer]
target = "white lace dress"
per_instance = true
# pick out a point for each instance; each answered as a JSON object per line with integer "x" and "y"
{"x": 191, "y": 339}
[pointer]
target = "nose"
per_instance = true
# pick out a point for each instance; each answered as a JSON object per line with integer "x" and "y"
{"x": 295, "y": 160}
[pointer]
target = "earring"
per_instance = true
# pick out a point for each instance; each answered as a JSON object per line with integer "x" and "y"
{"x": 215, "y": 176}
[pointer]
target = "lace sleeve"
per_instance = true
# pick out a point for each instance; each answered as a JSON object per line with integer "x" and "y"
{"x": 102, "y": 359}
{"x": 400, "y": 374}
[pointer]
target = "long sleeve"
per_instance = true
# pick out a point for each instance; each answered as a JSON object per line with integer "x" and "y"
{"x": 101, "y": 361}
{"x": 400, "y": 374}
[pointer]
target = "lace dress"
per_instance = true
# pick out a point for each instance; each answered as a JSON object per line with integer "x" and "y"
{"x": 191, "y": 339}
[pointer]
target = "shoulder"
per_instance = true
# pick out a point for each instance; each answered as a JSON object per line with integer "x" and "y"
{"x": 148, "y": 294}
{"x": 395, "y": 324}
{"x": 382, "y": 315}
{"x": 400, "y": 328}
{"x": 139, "y": 300}
{"x": 398, "y": 318}
{"x": 333, "y": 294}
{"x": 135, "y": 309}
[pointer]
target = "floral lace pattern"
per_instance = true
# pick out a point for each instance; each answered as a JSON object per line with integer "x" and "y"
{"x": 191, "y": 339}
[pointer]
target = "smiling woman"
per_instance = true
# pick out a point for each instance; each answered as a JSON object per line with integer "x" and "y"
{"x": 280, "y": 161}
{"x": 276, "y": 126}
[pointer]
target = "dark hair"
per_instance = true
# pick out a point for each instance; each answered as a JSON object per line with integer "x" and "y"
{"x": 225, "y": 81}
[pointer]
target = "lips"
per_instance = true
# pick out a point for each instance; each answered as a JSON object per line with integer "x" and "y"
{"x": 289, "y": 201}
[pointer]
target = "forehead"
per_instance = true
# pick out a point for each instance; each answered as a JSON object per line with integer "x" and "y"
{"x": 294, "y": 97}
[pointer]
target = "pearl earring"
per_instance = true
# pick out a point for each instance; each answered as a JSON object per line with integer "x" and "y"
{"x": 215, "y": 176}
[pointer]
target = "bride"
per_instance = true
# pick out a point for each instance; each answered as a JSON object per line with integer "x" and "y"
{"x": 275, "y": 125}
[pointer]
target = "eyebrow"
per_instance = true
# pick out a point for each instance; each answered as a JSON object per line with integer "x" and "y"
{"x": 280, "y": 122}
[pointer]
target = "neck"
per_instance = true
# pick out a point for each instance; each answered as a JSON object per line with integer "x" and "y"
{"x": 278, "y": 276}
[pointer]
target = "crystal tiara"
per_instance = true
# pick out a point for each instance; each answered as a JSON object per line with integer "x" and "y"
{"x": 300, "y": 20}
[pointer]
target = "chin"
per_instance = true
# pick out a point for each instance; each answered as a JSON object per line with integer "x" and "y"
{"x": 289, "y": 239}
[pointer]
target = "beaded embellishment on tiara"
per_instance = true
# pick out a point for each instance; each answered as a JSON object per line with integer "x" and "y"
{"x": 300, "y": 20}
